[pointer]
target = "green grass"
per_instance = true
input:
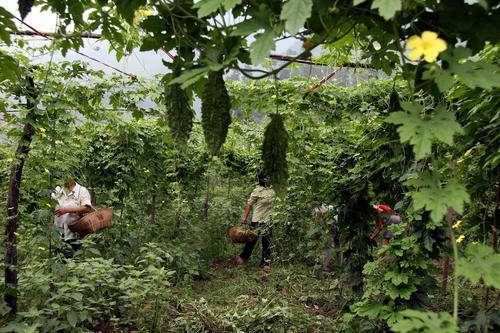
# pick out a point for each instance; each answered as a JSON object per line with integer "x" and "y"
{"x": 291, "y": 297}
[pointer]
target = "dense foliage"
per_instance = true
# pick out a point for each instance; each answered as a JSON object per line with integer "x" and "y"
{"x": 425, "y": 143}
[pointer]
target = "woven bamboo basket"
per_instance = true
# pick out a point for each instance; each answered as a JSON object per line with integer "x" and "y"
{"x": 93, "y": 222}
{"x": 239, "y": 234}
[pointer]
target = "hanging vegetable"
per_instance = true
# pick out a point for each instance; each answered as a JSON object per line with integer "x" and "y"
{"x": 179, "y": 113}
{"x": 274, "y": 150}
{"x": 215, "y": 112}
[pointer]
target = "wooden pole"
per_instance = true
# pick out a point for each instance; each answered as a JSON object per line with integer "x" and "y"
{"x": 22, "y": 151}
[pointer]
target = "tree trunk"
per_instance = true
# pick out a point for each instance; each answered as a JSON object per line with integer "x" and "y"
{"x": 22, "y": 151}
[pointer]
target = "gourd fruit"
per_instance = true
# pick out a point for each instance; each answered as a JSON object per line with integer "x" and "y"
{"x": 274, "y": 150}
{"x": 215, "y": 112}
{"x": 179, "y": 113}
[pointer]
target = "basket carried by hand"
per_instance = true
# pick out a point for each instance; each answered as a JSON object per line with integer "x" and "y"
{"x": 93, "y": 222}
{"x": 239, "y": 234}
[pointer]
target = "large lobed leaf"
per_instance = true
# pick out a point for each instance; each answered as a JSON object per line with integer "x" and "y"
{"x": 425, "y": 322}
{"x": 207, "y": 7}
{"x": 433, "y": 196}
{"x": 480, "y": 262}
{"x": 474, "y": 73}
{"x": 386, "y": 8}
{"x": 295, "y": 13}
{"x": 420, "y": 131}
{"x": 261, "y": 47}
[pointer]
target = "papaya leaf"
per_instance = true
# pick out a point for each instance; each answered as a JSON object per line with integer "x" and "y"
{"x": 295, "y": 13}
{"x": 436, "y": 198}
{"x": 420, "y": 131}
{"x": 480, "y": 262}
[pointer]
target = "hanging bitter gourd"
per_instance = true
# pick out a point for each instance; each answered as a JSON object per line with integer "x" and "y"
{"x": 215, "y": 112}
{"x": 179, "y": 113}
{"x": 274, "y": 150}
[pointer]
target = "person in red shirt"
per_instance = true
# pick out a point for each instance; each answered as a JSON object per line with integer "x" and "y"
{"x": 380, "y": 222}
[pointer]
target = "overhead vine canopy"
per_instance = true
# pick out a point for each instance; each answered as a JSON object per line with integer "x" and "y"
{"x": 432, "y": 44}
{"x": 444, "y": 53}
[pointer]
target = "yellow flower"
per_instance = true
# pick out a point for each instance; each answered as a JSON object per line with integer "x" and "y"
{"x": 429, "y": 45}
{"x": 457, "y": 224}
{"x": 273, "y": 96}
{"x": 460, "y": 239}
{"x": 141, "y": 14}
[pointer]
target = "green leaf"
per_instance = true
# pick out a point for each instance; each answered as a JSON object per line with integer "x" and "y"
{"x": 246, "y": 28}
{"x": 9, "y": 68}
{"x": 372, "y": 310}
{"x": 444, "y": 81}
{"x": 396, "y": 278}
{"x": 473, "y": 73}
{"x": 420, "y": 130}
{"x": 480, "y": 262}
{"x": 436, "y": 198}
{"x": 295, "y": 13}
{"x": 6, "y": 25}
{"x": 425, "y": 322}
{"x": 127, "y": 8}
{"x": 190, "y": 76}
{"x": 229, "y": 4}
{"x": 387, "y": 8}
{"x": 77, "y": 296}
{"x": 207, "y": 7}
{"x": 72, "y": 318}
{"x": 150, "y": 43}
{"x": 261, "y": 47}
{"x": 357, "y": 2}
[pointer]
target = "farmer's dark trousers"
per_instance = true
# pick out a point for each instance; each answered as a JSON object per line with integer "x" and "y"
{"x": 265, "y": 234}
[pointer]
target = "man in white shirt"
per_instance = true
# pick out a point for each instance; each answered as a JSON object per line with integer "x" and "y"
{"x": 73, "y": 201}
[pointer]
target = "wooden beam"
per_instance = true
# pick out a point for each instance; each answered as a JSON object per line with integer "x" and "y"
{"x": 311, "y": 62}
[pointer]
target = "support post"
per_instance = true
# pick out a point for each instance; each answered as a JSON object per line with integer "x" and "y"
{"x": 22, "y": 151}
